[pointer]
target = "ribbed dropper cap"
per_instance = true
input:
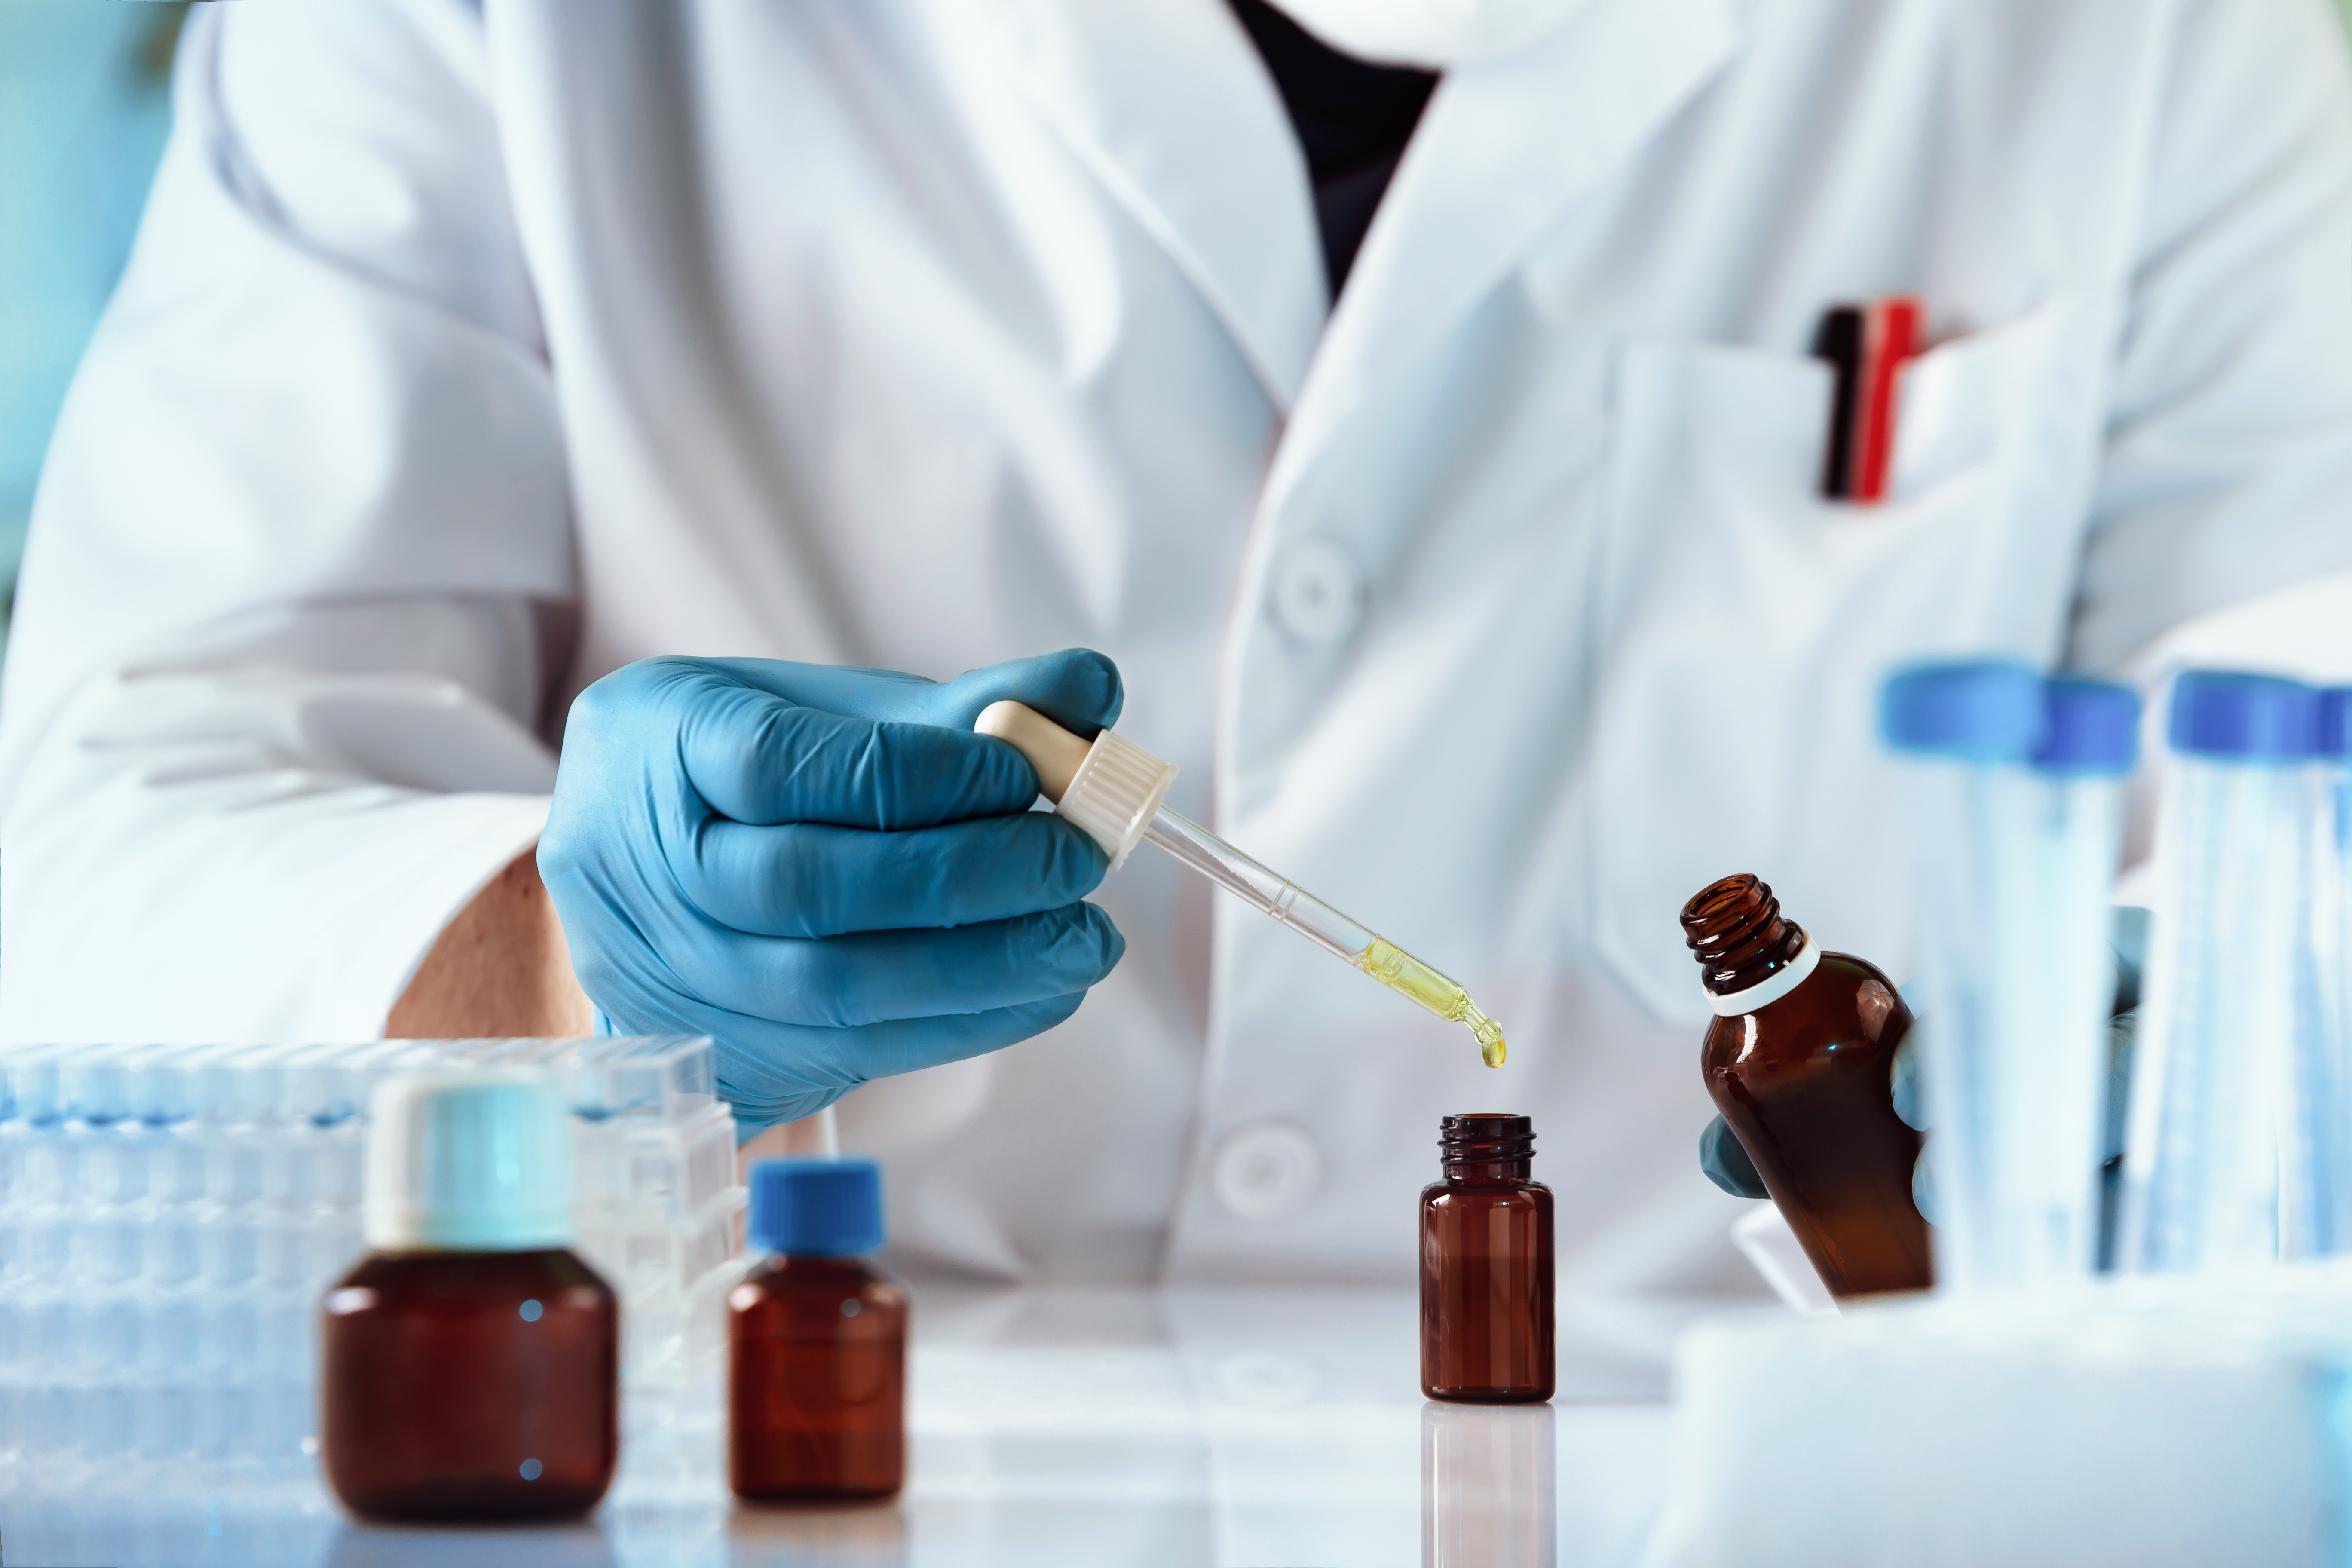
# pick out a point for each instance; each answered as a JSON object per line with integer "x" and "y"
{"x": 467, "y": 1162}
{"x": 1109, "y": 789}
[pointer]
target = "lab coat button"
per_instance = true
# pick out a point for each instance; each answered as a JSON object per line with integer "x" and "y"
{"x": 1265, "y": 1169}
{"x": 1319, "y": 594}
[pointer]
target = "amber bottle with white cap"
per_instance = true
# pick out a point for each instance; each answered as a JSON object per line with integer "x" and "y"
{"x": 470, "y": 1362}
{"x": 1799, "y": 1060}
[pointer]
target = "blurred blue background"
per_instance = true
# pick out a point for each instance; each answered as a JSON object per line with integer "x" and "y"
{"x": 84, "y": 106}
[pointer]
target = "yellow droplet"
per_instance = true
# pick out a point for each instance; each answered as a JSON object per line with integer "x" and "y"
{"x": 1490, "y": 1036}
{"x": 1401, "y": 972}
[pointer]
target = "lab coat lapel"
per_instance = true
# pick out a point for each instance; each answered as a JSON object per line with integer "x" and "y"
{"x": 1505, "y": 144}
{"x": 1167, "y": 103}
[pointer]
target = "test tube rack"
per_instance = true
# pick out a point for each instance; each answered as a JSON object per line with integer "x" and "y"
{"x": 170, "y": 1216}
{"x": 2160, "y": 1421}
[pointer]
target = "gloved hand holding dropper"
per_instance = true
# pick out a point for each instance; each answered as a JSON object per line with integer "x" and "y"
{"x": 835, "y": 876}
{"x": 823, "y": 869}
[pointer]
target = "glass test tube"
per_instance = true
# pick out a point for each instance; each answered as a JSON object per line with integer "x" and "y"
{"x": 1324, "y": 926}
{"x": 1259, "y": 887}
{"x": 2016, "y": 812}
{"x": 2056, "y": 1089}
{"x": 2320, "y": 1217}
{"x": 2215, "y": 1118}
{"x": 1111, "y": 789}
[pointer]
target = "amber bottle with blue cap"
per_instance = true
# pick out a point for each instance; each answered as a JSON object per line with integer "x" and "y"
{"x": 470, "y": 1362}
{"x": 816, "y": 1341}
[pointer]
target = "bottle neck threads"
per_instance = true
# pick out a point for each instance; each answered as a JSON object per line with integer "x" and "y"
{"x": 1738, "y": 935}
{"x": 1487, "y": 1148}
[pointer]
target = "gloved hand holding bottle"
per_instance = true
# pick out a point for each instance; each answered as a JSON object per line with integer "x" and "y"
{"x": 1727, "y": 1164}
{"x": 823, "y": 869}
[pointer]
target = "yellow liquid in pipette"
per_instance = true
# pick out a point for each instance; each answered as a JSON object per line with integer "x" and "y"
{"x": 1400, "y": 970}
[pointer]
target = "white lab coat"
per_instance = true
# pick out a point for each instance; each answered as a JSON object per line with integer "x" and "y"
{"x": 471, "y": 351}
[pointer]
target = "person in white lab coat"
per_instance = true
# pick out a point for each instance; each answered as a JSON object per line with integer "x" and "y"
{"x": 472, "y": 351}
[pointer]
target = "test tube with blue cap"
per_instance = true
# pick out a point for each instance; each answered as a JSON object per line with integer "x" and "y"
{"x": 2325, "y": 1075}
{"x": 2216, "y": 1121}
{"x": 2015, "y": 811}
{"x": 1966, "y": 732}
{"x": 2088, "y": 750}
{"x": 1115, "y": 791}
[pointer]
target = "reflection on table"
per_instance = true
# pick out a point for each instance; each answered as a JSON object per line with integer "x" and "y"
{"x": 1095, "y": 1428}
{"x": 1488, "y": 1492}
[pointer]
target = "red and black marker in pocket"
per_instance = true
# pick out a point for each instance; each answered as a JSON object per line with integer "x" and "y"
{"x": 1866, "y": 346}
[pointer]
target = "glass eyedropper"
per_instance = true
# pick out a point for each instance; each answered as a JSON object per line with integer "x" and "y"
{"x": 1112, "y": 790}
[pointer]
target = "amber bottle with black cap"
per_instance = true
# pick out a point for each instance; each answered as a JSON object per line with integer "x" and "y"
{"x": 1486, "y": 1266}
{"x": 1800, "y": 1060}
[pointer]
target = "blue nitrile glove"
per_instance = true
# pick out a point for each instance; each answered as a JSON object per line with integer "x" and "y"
{"x": 1726, "y": 1162}
{"x": 825, "y": 870}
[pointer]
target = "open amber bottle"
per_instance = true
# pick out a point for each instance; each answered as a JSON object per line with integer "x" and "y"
{"x": 1799, "y": 1060}
{"x": 1486, "y": 1266}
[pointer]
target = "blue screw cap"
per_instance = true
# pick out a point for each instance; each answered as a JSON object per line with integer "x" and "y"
{"x": 2244, "y": 718}
{"x": 2092, "y": 727}
{"x": 815, "y": 1208}
{"x": 2335, "y": 722}
{"x": 1989, "y": 712}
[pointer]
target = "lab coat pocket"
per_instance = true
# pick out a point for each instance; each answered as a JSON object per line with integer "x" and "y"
{"x": 1746, "y": 624}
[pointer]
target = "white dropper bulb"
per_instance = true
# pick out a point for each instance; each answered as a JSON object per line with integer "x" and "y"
{"x": 1108, "y": 788}
{"x": 1053, "y": 752}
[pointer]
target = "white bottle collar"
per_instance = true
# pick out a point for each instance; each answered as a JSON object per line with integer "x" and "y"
{"x": 1766, "y": 992}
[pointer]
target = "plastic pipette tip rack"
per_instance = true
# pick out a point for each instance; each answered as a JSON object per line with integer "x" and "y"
{"x": 169, "y": 1217}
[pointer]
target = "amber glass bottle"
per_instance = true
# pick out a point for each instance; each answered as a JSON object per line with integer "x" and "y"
{"x": 1800, "y": 1061}
{"x": 470, "y": 1386}
{"x": 817, "y": 1340}
{"x": 1485, "y": 1267}
{"x": 469, "y": 1362}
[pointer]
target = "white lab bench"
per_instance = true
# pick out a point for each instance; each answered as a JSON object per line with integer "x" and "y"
{"x": 1254, "y": 1430}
